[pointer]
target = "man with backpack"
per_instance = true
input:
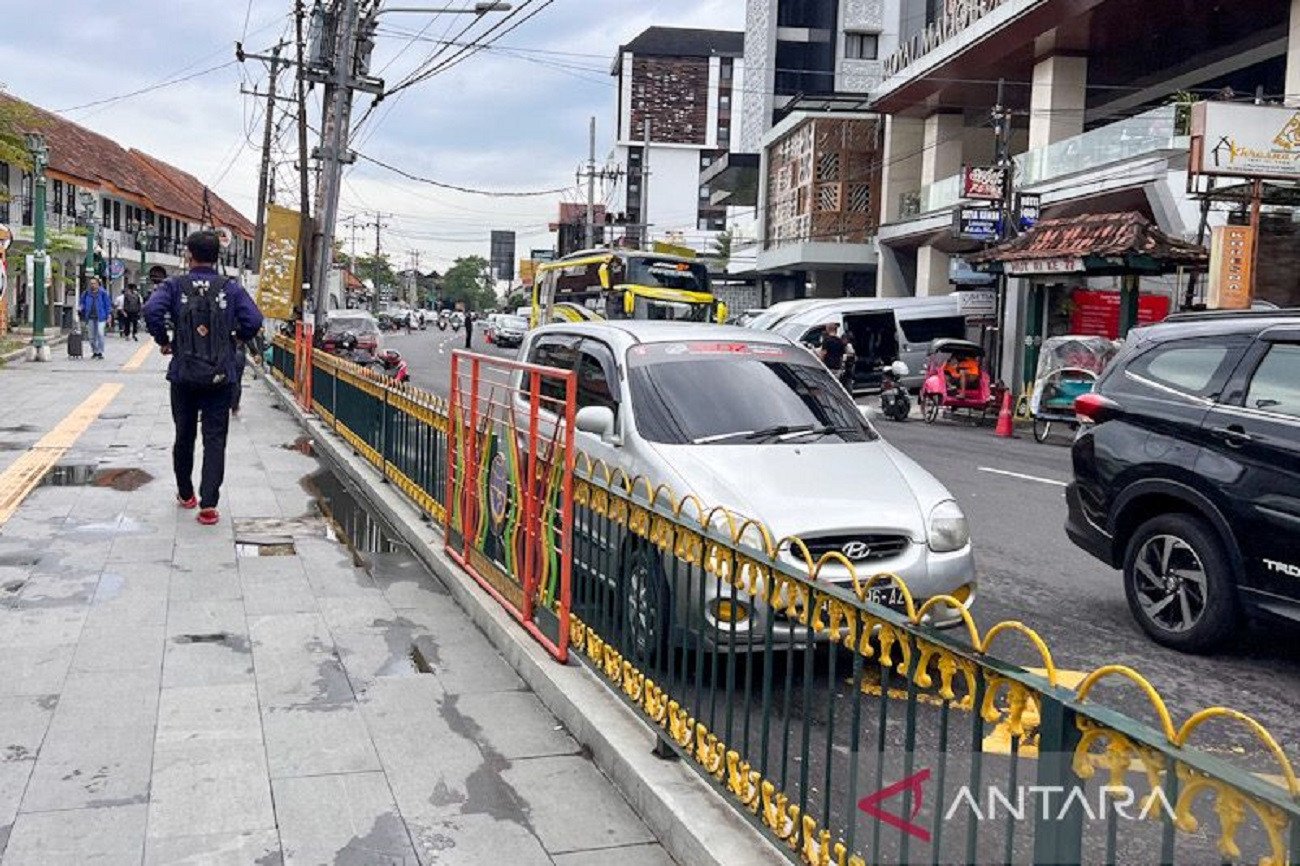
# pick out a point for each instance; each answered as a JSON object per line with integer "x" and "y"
{"x": 208, "y": 312}
{"x": 132, "y": 303}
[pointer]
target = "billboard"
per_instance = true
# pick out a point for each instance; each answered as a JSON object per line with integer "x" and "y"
{"x": 502, "y": 261}
{"x": 1256, "y": 141}
{"x": 527, "y": 272}
{"x": 983, "y": 182}
{"x": 278, "y": 285}
{"x": 1230, "y": 268}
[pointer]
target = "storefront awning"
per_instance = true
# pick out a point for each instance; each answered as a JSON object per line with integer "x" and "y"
{"x": 1109, "y": 244}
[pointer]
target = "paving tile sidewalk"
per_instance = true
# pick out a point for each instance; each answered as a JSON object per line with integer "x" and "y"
{"x": 166, "y": 698}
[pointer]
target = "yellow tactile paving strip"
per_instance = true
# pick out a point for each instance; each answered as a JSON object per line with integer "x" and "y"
{"x": 134, "y": 362}
{"x": 26, "y": 472}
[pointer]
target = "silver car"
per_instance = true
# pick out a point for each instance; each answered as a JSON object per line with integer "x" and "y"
{"x": 750, "y": 420}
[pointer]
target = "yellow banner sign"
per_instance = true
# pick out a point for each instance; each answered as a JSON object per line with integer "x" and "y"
{"x": 527, "y": 272}
{"x": 278, "y": 283}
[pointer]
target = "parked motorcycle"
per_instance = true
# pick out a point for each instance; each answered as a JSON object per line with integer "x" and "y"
{"x": 895, "y": 403}
{"x": 392, "y": 364}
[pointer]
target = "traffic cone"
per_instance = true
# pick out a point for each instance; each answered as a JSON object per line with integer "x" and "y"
{"x": 1005, "y": 428}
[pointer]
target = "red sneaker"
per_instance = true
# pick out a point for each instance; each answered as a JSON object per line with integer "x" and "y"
{"x": 208, "y": 516}
{"x": 192, "y": 502}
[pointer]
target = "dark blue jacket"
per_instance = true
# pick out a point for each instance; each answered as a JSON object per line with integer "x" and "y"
{"x": 245, "y": 319}
{"x": 100, "y": 303}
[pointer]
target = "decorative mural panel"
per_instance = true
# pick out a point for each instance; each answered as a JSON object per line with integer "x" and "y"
{"x": 674, "y": 93}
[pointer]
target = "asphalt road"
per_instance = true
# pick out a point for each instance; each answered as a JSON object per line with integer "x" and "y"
{"x": 1012, "y": 491}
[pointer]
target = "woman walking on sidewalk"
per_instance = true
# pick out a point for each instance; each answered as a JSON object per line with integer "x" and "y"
{"x": 96, "y": 310}
{"x": 208, "y": 313}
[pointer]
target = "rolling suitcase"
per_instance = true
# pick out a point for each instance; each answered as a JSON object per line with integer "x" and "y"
{"x": 74, "y": 344}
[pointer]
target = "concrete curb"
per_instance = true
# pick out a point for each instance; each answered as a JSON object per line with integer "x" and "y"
{"x": 19, "y": 354}
{"x": 689, "y": 818}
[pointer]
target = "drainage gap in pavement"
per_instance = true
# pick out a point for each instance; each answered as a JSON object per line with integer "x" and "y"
{"x": 373, "y": 545}
{"x": 214, "y": 637}
{"x": 125, "y": 479}
{"x": 265, "y": 548}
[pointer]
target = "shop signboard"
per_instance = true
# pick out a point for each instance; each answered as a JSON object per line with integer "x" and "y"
{"x": 1043, "y": 267}
{"x": 976, "y": 304}
{"x": 977, "y": 223}
{"x": 1255, "y": 141}
{"x": 1096, "y": 313}
{"x": 1230, "y": 268}
{"x": 1028, "y": 208}
{"x": 983, "y": 182}
{"x": 542, "y": 255}
{"x": 527, "y": 272}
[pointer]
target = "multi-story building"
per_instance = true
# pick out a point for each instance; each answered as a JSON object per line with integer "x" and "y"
{"x": 678, "y": 88}
{"x": 143, "y": 206}
{"x": 1095, "y": 95}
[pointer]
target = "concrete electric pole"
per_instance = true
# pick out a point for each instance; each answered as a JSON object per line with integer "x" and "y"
{"x": 263, "y": 179}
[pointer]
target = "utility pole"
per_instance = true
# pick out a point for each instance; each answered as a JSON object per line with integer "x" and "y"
{"x": 1002, "y": 157}
{"x": 645, "y": 187}
{"x": 378, "y": 225}
{"x": 413, "y": 290}
{"x": 263, "y": 179}
{"x": 304, "y": 201}
{"x": 591, "y": 185}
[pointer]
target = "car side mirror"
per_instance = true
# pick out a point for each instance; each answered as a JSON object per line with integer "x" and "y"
{"x": 598, "y": 421}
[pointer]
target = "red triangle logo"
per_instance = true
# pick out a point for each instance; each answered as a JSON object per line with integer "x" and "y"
{"x": 913, "y": 783}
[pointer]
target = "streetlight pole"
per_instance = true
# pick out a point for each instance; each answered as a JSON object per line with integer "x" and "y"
{"x": 40, "y": 159}
{"x": 88, "y": 267}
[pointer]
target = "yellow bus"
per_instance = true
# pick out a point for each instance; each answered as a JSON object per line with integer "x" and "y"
{"x": 624, "y": 284}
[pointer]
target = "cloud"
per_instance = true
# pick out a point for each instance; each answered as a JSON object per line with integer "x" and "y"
{"x": 501, "y": 120}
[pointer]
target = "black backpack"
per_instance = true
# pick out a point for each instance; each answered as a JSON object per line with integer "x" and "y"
{"x": 203, "y": 345}
{"x": 131, "y": 302}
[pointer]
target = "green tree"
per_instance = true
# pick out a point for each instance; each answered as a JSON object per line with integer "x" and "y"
{"x": 377, "y": 269}
{"x": 720, "y": 250}
{"x": 516, "y": 300}
{"x": 16, "y": 118}
{"x": 468, "y": 281}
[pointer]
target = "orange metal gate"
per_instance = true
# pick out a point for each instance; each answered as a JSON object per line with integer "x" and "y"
{"x": 509, "y": 496}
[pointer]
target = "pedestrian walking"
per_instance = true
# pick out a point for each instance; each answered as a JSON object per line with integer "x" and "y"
{"x": 96, "y": 311}
{"x": 469, "y": 330}
{"x": 119, "y": 317}
{"x": 208, "y": 312}
{"x": 132, "y": 303}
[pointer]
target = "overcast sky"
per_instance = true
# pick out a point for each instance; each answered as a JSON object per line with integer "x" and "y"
{"x": 513, "y": 118}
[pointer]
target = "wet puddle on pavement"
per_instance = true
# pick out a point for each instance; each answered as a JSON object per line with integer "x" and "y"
{"x": 373, "y": 546}
{"x": 125, "y": 478}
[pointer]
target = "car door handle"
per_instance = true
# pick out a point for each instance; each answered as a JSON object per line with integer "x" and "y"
{"x": 1234, "y": 435}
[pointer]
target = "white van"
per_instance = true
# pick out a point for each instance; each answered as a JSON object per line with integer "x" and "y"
{"x": 880, "y": 329}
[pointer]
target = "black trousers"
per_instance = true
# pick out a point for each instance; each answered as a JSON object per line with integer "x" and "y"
{"x": 131, "y": 325}
{"x": 210, "y": 408}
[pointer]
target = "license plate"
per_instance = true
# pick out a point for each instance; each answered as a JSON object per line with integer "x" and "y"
{"x": 886, "y": 596}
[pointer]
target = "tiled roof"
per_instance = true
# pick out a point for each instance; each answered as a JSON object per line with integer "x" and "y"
{"x": 97, "y": 160}
{"x": 1105, "y": 234}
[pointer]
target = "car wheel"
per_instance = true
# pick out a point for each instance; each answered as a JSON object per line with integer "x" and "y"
{"x": 1042, "y": 429}
{"x": 1179, "y": 584}
{"x": 931, "y": 405}
{"x": 646, "y": 611}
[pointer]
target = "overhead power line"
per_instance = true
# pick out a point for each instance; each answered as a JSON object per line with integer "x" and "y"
{"x": 465, "y": 189}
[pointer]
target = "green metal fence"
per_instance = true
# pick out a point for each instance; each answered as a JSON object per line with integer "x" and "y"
{"x": 849, "y": 732}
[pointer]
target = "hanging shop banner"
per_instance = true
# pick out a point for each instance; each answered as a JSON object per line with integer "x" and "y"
{"x": 1230, "y": 268}
{"x": 1028, "y": 208}
{"x": 976, "y": 223}
{"x": 976, "y": 304}
{"x": 983, "y": 182}
{"x": 527, "y": 272}
{"x": 278, "y": 283}
{"x": 1096, "y": 314}
{"x": 1255, "y": 141}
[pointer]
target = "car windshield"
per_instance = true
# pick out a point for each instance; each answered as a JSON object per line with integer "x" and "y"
{"x": 359, "y": 325}
{"x": 754, "y": 394}
{"x": 514, "y": 323}
{"x": 667, "y": 274}
{"x": 651, "y": 308}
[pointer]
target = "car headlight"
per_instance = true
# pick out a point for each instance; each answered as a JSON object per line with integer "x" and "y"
{"x": 948, "y": 528}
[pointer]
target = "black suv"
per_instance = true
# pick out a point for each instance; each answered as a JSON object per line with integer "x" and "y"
{"x": 1187, "y": 473}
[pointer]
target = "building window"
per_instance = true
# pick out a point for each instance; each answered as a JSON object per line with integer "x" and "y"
{"x": 117, "y": 216}
{"x": 861, "y": 46}
{"x": 704, "y": 193}
{"x": 106, "y": 212}
{"x": 58, "y": 196}
{"x": 726, "y": 69}
{"x": 70, "y": 202}
{"x": 724, "y": 135}
{"x": 724, "y": 101}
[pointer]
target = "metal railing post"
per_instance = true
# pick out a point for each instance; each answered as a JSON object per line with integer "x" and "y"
{"x": 1058, "y": 832}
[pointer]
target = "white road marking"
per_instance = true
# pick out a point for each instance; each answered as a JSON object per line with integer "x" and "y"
{"x": 1022, "y": 476}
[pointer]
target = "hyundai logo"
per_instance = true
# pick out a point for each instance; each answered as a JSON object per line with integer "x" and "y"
{"x": 856, "y": 550}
